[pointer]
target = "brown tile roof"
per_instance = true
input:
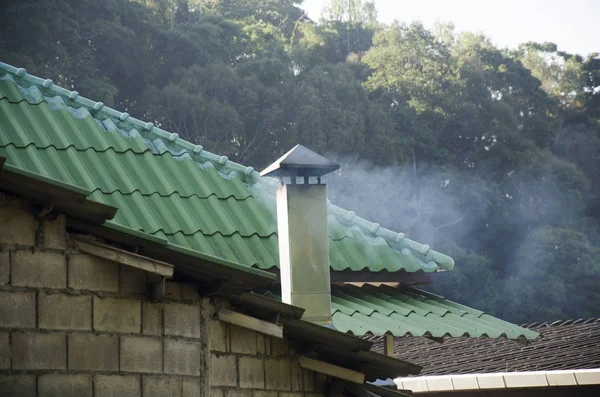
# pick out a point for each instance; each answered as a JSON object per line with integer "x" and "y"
{"x": 564, "y": 345}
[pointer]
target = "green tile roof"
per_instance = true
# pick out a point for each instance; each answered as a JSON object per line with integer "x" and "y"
{"x": 170, "y": 189}
{"x": 380, "y": 310}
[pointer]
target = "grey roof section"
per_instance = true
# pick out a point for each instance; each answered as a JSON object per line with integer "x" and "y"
{"x": 564, "y": 345}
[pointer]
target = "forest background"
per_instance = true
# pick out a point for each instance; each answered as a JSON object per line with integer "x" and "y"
{"x": 490, "y": 155}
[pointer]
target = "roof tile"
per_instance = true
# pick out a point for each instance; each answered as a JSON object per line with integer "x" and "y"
{"x": 172, "y": 189}
{"x": 564, "y": 345}
{"x": 404, "y": 311}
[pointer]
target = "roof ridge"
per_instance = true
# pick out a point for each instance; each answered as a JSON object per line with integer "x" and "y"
{"x": 399, "y": 238}
{"x": 560, "y": 323}
{"x": 96, "y": 108}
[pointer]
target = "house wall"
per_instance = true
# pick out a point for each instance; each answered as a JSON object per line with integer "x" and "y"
{"x": 72, "y": 324}
{"x": 246, "y": 363}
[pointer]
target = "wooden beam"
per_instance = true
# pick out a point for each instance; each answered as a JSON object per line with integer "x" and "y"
{"x": 241, "y": 320}
{"x": 124, "y": 257}
{"x": 388, "y": 345}
{"x": 332, "y": 370}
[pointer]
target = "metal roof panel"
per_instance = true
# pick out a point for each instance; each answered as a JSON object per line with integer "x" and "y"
{"x": 172, "y": 189}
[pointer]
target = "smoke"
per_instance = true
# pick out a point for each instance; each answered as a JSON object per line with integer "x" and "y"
{"x": 427, "y": 205}
{"x": 502, "y": 233}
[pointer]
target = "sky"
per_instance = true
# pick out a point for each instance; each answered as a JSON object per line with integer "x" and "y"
{"x": 571, "y": 24}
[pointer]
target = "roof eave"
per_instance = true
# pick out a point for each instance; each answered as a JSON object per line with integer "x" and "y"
{"x": 324, "y": 343}
{"x": 88, "y": 216}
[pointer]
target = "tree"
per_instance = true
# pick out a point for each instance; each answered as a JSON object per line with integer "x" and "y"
{"x": 555, "y": 277}
{"x": 353, "y": 11}
{"x": 488, "y": 154}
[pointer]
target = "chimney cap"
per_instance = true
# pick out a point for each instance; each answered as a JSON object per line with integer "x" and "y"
{"x": 300, "y": 161}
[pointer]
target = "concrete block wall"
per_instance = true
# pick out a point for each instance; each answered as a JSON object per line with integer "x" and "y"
{"x": 72, "y": 324}
{"x": 244, "y": 363}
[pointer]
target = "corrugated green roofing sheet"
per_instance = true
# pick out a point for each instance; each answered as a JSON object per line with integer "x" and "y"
{"x": 404, "y": 311}
{"x": 171, "y": 189}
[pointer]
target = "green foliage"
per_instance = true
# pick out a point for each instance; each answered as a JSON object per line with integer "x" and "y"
{"x": 490, "y": 155}
{"x": 556, "y": 276}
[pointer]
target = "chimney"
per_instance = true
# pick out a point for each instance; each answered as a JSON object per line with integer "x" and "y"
{"x": 302, "y": 230}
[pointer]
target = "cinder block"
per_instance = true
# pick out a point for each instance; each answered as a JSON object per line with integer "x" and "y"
{"x": 54, "y": 385}
{"x": 308, "y": 379}
{"x": 4, "y": 351}
{"x": 17, "y": 225}
{"x": 214, "y": 392}
{"x": 39, "y": 269}
{"x": 182, "y": 358}
{"x": 238, "y": 393}
{"x": 140, "y": 354}
{"x": 4, "y": 268}
{"x": 151, "y": 318}
{"x": 55, "y": 233}
{"x": 252, "y": 373}
{"x": 17, "y": 309}
{"x": 278, "y": 374}
{"x": 117, "y": 315}
{"x": 39, "y": 351}
{"x": 291, "y": 394}
{"x": 190, "y": 387}
{"x": 279, "y": 347}
{"x": 161, "y": 386}
{"x": 182, "y": 320}
{"x": 173, "y": 290}
{"x": 93, "y": 352}
{"x": 60, "y": 311}
{"x": 242, "y": 340}
{"x": 133, "y": 281}
{"x": 17, "y": 385}
{"x": 260, "y": 343}
{"x": 189, "y": 292}
{"x": 320, "y": 382}
{"x": 223, "y": 370}
{"x": 117, "y": 386}
{"x": 218, "y": 336}
{"x": 296, "y": 376}
{"x": 264, "y": 393}
{"x": 93, "y": 273}
{"x": 291, "y": 348}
